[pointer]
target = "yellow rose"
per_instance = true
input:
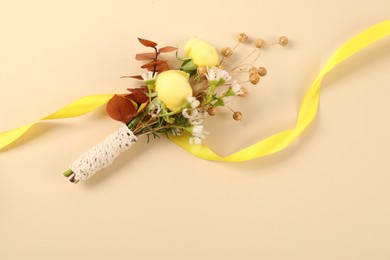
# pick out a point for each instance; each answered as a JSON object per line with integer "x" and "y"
{"x": 201, "y": 53}
{"x": 173, "y": 88}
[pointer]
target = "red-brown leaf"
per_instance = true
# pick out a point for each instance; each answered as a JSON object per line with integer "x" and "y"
{"x": 143, "y": 88}
{"x": 133, "y": 77}
{"x": 138, "y": 95}
{"x": 167, "y": 49}
{"x": 147, "y": 43}
{"x": 120, "y": 109}
{"x": 152, "y": 64}
{"x": 145, "y": 56}
{"x": 162, "y": 67}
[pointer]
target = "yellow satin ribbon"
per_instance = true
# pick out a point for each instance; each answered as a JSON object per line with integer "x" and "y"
{"x": 79, "y": 107}
{"x": 270, "y": 145}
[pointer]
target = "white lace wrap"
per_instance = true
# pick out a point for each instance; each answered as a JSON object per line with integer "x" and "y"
{"x": 103, "y": 154}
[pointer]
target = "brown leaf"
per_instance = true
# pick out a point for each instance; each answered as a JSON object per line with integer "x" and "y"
{"x": 167, "y": 49}
{"x": 143, "y": 88}
{"x": 133, "y": 77}
{"x": 138, "y": 95}
{"x": 145, "y": 56}
{"x": 121, "y": 109}
{"x": 162, "y": 67}
{"x": 147, "y": 43}
{"x": 152, "y": 64}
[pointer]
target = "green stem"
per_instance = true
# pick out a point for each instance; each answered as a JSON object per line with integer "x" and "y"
{"x": 133, "y": 122}
{"x": 150, "y": 94}
{"x": 172, "y": 113}
{"x": 209, "y": 96}
{"x": 68, "y": 173}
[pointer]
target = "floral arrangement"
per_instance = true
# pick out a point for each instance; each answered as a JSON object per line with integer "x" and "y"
{"x": 177, "y": 101}
{"x": 173, "y": 101}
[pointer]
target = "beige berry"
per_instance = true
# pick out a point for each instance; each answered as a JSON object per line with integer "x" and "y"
{"x": 227, "y": 52}
{"x": 254, "y": 78}
{"x": 253, "y": 70}
{"x": 262, "y": 71}
{"x": 283, "y": 40}
{"x": 237, "y": 116}
{"x": 259, "y": 43}
{"x": 212, "y": 111}
{"x": 244, "y": 92}
{"x": 202, "y": 71}
{"x": 242, "y": 37}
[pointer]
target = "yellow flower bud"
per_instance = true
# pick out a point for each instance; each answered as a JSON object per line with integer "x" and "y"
{"x": 201, "y": 53}
{"x": 173, "y": 88}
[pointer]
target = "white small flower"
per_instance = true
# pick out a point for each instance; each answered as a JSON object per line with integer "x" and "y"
{"x": 217, "y": 74}
{"x": 197, "y": 130}
{"x": 148, "y": 76}
{"x": 225, "y": 75}
{"x": 154, "y": 109}
{"x": 194, "y": 116}
{"x": 198, "y": 134}
{"x": 195, "y": 140}
{"x": 237, "y": 89}
{"x": 187, "y": 113}
{"x": 198, "y": 118}
{"x": 193, "y": 102}
{"x": 212, "y": 73}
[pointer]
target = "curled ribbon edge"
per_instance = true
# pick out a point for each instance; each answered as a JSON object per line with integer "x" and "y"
{"x": 269, "y": 145}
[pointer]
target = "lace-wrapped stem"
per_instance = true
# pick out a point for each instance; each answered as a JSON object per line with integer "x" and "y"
{"x": 101, "y": 155}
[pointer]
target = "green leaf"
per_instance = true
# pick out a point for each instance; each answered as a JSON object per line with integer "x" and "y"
{"x": 229, "y": 93}
{"x": 188, "y": 65}
{"x": 219, "y": 102}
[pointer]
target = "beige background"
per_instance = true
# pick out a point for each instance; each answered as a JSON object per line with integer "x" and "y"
{"x": 325, "y": 197}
